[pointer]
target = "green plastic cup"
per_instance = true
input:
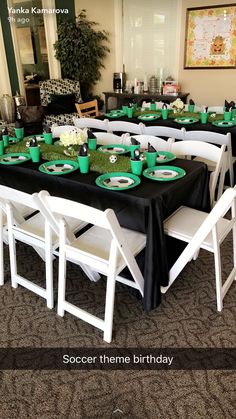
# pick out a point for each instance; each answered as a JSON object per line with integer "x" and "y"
{"x": 35, "y": 154}
{"x": 92, "y": 143}
{"x": 125, "y": 109}
{"x": 227, "y": 116}
{"x": 5, "y": 140}
{"x": 233, "y": 113}
{"x": 83, "y": 164}
{"x": 204, "y": 117}
{"x": 1, "y": 148}
{"x": 136, "y": 166}
{"x": 132, "y": 148}
{"x": 191, "y": 108}
{"x": 47, "y": 137}
{"x": 164, "y": 113}
{"x": 151, "y": 158}
{"x": 153, "y": 107}
{"x": 130, "y": 112}
{"x": 19, "y": 133}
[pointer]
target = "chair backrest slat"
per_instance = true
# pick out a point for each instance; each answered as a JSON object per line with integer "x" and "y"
{"x": 208, "y": 137}
{"x": 125, "y": 126}
{"x": 87, "y": 108}
{"x": 65, "y": 207}
{"x": 162, "y": 131}
{"x": 91, "y": 123}
{"x": 58, "y": 130}
{"x": 107, "y": 138}
{"x": 156, "y": 142}
{"x": 15, "y": 196}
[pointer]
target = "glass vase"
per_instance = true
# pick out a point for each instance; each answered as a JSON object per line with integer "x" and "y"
{"x": 7, "y": 108}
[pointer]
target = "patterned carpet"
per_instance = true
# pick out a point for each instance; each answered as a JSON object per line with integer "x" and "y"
{"x": 187, "y": 318}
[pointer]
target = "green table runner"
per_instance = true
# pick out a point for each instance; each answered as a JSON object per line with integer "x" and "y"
{"x": 99, "y": 162}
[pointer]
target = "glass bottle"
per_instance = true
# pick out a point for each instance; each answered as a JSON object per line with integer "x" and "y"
{"x": 7, "y": 108}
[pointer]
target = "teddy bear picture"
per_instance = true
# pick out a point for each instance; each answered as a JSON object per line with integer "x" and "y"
{"x": 218, "y": 45}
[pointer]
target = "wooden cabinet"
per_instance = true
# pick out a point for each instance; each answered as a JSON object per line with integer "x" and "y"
{"x": 125, "y": 98}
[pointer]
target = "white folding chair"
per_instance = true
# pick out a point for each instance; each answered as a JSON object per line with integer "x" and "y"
{"x": 219, "y": 139}
{"x": 125, "y": 126}
{"x": 157, "y": 142}
{"x": 205, "y": 231}
{"x": 33, "y": 231}
{"x": 20, "y": 213}
{"x": 216, "y": 109}
{"x": 57, "y": 130}
{"x": 162, "y": 131}
{"x": 205, "y": 151}
{"x": 107, "y": 138}
{"x": 91, "y": 123}
{"x": 106, "y": 248}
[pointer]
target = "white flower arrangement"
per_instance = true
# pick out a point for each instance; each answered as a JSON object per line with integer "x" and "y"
{"x": 177, "y": 105}
{"x": 75, "y": 136}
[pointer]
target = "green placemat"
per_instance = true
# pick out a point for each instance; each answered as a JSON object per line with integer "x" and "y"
{"x": 99, "y": 162}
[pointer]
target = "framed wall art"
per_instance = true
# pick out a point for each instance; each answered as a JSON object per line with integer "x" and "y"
{"x": 210, "y": 40}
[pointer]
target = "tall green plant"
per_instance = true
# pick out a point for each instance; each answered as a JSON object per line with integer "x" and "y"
{"x": 81, "y": 49}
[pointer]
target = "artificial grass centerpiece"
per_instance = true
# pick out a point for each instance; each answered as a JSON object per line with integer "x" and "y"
{"x": 99, "y": 161}
{"x": 185, "y": 114}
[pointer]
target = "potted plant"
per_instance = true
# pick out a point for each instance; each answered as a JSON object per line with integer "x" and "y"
{"x": 81, "y": 49}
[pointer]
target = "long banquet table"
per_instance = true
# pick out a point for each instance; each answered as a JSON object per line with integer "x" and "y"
{"x": 197, "y": 126}
{"x": 142, "y": 208}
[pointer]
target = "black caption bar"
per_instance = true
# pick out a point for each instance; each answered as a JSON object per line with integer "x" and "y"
{"x": 117, "y": 359}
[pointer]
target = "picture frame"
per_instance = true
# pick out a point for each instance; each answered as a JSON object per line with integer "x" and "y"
{"x": 210, "y": 37}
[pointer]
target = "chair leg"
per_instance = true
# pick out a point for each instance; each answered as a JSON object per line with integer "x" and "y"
{"x": 49, "y": 266}
{"x": 234, "y": 238}
{"x": 1, "y": 250}
{"x": 110, "y": 296}
{"x": 218, "y": 276}
{"x": 109, "y": 308}
{"x": 61, "y": 282}
{"x": 92, "y": 275}
{"x": 231, "y": 173}
{"x": 13, "y": 264}
{"x": 195, "y": 256}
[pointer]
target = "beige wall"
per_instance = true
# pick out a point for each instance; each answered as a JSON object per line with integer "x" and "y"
{"x": 102, "y": 12}
{"x": 206, "y": 87}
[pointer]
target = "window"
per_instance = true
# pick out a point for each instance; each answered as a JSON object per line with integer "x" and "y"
{"x": 150, "y": 38}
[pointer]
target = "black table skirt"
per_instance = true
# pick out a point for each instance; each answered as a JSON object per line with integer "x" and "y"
{"x": 142, "y": 208}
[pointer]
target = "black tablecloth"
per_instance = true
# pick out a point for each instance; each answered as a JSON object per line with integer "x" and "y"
{"x": 142, "y": 208}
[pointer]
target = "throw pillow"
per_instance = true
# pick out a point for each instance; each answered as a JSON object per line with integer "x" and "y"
{"x": 31, "y": 114}
{"x": 61, "y": 104}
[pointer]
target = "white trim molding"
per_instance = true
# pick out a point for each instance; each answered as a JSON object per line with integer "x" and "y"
{"x": 118, "y": 19}
{"x": 50, "y": 25}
